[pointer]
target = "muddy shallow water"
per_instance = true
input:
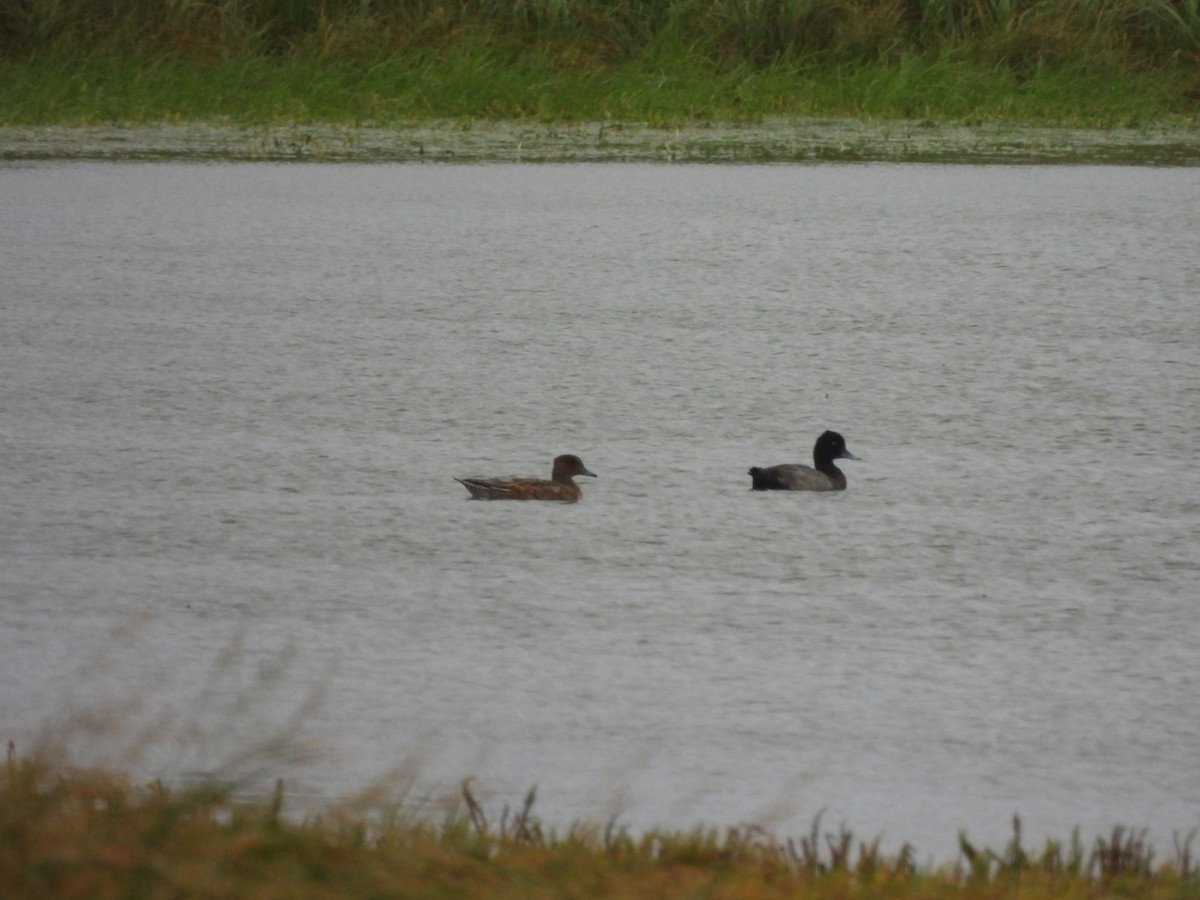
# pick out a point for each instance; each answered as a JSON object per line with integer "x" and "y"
{"x": 771, "y": 141}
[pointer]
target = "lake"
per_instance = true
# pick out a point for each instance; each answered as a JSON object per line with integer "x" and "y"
{"x": 234, "y": 398}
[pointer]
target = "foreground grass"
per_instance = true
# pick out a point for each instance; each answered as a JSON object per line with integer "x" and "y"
{"x": 1097, "y": 63}
{"x": 93, "y": 835}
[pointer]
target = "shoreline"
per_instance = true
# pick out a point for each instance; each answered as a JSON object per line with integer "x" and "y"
{"x": 512, "y": 141}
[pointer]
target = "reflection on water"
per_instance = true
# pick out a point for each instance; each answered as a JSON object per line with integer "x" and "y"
{"x": 234, "y": 399}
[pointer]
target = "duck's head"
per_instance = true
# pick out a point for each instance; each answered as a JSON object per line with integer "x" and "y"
{"x": 831, "y": 446}
{"x": 568, "y": 466}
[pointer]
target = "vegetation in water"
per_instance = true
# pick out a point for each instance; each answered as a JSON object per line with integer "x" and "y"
{"x": 1079, "y": 62}
{"x": 71, "y": 833}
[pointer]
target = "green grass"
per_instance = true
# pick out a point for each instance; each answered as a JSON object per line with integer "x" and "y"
{"x": 472, "y": 81}
{"x": 1073, "y": 62}
{"x": 74, "y": 834}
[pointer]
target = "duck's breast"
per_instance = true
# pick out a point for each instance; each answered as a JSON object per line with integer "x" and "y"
{"x": 545, "y": 490}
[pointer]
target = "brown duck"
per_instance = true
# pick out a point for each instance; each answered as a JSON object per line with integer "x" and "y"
{"x": 561, "y": 485}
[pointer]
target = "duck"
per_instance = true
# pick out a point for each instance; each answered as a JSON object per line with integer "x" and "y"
{"x": 795, "y": 477}
{"x": 560, "y": 487}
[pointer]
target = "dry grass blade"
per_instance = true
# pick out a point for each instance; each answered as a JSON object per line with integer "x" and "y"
{"x": 478, "y": 819}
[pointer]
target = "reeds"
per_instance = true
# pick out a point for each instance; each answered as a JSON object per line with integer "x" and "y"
{"x": 1058, "y": 62}
{"x": 596, "y": 32}
{"x": 68, "y": 834}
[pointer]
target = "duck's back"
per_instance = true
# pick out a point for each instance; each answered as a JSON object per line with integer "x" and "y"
{"x": 795, "y": 477}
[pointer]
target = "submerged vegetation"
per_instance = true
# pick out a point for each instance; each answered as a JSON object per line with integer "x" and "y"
{"x": 1078, "y": 62}
{"x": 68, "y": 834}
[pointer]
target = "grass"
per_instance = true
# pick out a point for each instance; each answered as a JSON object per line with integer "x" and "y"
{"x": 475, "y": 82}
{"x": 70, "y": 833}
{"x": 1074, "y": 62}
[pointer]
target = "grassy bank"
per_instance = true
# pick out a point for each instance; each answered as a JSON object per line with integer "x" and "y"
{"x": 1094, "y": 63}
{"x": 93, "y": 835}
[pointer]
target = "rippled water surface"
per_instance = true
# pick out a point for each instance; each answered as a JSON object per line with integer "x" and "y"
{"x": 233, "y": 399}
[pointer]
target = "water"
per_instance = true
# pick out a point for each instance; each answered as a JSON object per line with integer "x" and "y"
{"x": 233, "y": 399}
